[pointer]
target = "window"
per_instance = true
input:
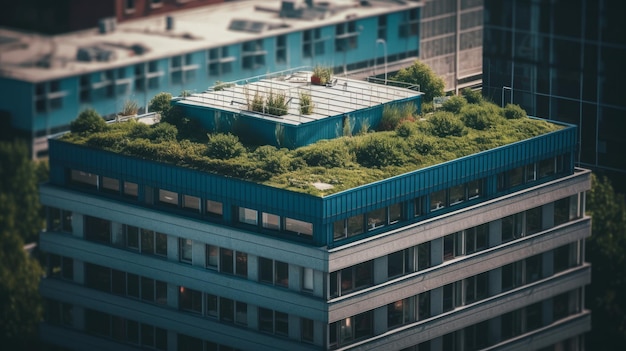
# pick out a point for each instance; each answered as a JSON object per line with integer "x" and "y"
{"x": 346, "y": 36}
{"x": 418, "y": 206}
{"x": 59, "y": 313}
{"x": 398, "y": 263}
{"x": 437, "y": 200}
{"x": 85, "y": 88}
{"x": 281, "y": 49}
{"x": 270, "y": 221}
{"x": 476, "y": 288}
{"x": 226, "y": 310}
{"x": 214, "y": 208}
{"x": 457, "y": 194}
{"x": 299, "y": 227}
{"x": 253, "y": 55}
{"x": 273, "y": 272}
{"x": 85, "y": 179}
{"x": 512, "y": 275}
{"x": 48, "y": 96}
{"x": 307, "y": 330}
{"x": 382, "y": 27}
{"x": 273, "y": 322}
{"x": 376, "y": 218}
{"x": 452, "y": 246}
{"x": 546, "y": 168}
{"x": 312, "y": 43}
{"x": 476, "y": 238}
{"x": 59, "y": 220}
{"x": 191, "y": 203}
{"x": 351, "y": 279}
{"x": 423, "y": 305}
{"x": 351, "y": 329}
{"x": 167, "y": 197}
{"x": 399, "y": 313}
{"x": 131, "y": 189}
{"x": 565, "y": 210}
{"x": 97, "y": 229}
{"x": 190, "y": 300}
{"x": 153, "y": 243}
{"x": 307, "y": 279}
{"x": 533, "y": 220}
{"x": 512, "y": 227}
{"x": 182, "y": 69}
{"x": 60, "y": 267}
{"x": 248, "y": 216}
{"x": 185, "y": 246}
{"x": 349, "y": 227}
{"x": 533, "y": 269}
{"x": 219, "y": 61}
{"x": 130, "y": 6}
{"x": 474, "y": 189}
{"x": 395, "y": 213}
{"x": 410, "y": 23}
{"x": 451, "y": 296}
{"x": 423, "y": 256}
{"x": 110, "y": 184}
{"x": 565, "y": 257}
{"x": 212, "y": 256}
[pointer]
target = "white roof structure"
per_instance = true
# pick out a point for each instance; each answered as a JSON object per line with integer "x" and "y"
{"x": 342, "y": 95}
{"x": 36, "y": 58}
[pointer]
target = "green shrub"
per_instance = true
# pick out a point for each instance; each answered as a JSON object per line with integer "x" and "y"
{"x": 512, "y": 111}
{"x": 380, "y": 151}
{"x": 394, "y": 115}
{"x": 161, "y": 132}
{"x": 130, "y": 108}
{"x": 161, "y": 103}
{"x": 454, "y": 104}
{"x": 479, "y": 117}
{"x": 421, "y": 143}
{"x": 271, "y": 159}
{"x": 327, "y": 154}
{"x": 406, "y": 129}
{"x": 276, "y": 104}
{"x": 443, "y": 124}
{"x": 472, "y": 96}
{"x": 88, "y": 122}
{"x": 257, "y": 104}
{"x": 306, "y": 103}
{"x": 224, "y": 146}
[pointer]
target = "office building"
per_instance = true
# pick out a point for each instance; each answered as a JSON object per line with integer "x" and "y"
{"x": 150, "y": 250}
{"x": 562, "y": 60}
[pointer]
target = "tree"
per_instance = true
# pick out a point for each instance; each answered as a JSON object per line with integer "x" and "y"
{"x": 161, "y": 103}
{"x": 419, "y": 73}
{"x": 20, "y": 304}
{"x": 606, "y": 250}
{"x": 88, "y": 121}
{"x": 18, "y": 183}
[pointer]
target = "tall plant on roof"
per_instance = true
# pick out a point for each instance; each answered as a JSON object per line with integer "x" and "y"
{"x": 306, "y": 103}
{"x": 276, "y": 103}
{"x": 321, "y": 75}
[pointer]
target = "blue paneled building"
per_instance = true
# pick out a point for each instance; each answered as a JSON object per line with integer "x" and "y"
{"x": 47, "y": 80}
{"x": 484, "y": 251}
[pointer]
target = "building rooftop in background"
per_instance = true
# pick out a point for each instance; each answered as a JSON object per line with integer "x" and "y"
{"x": 36, "y": 58}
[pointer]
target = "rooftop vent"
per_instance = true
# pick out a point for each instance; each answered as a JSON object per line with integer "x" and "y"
{"x": 242, "y": 25}
{"x": 94, "y": 53}
{"x": 107, "y": 25}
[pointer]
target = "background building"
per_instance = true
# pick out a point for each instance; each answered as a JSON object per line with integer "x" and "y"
{"x": 563, "y": 60}
{"x": 460, "y": 254}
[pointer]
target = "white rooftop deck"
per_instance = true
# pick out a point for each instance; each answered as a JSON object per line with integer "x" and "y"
{"x": 344, "y": 95}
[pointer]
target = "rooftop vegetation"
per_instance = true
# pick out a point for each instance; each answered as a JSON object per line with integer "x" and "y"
{"x": 404, "y": 143}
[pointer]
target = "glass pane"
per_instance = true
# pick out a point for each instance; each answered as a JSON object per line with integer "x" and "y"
{"x": 376, "y": 218}
{"x": 226, "y": 261}
{"x": 299, "y": 227}
{"x": 131, "y": 189}
{"x": 437, "y": 200}
{"x": 282, "y": 273}
{"x": 395, "y": 213}
{"x": 307, "y": 279}
{"x": 457, "y": 194}
{"x": 247, "y": 216}
{"x": 266, "y": 270}
{"x": 271, "y": 221}
{"x": 339, "y": 230}
{"x": 168, "y": 197}
{"x": 161, "y": 244}
{"x": 110, "y": 184}
{"x": 241, "y": 264}
{"x": 84, "y": 178}
{"x": 191, "y": 202}
{"x": 214, "y": 207}
{"x": 212, "y": 255}
{"x": 355, "y": 225}
{"x": 185, "y": 249}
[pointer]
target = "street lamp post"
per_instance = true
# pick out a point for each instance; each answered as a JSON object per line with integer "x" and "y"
{"x": 382, "y": 41}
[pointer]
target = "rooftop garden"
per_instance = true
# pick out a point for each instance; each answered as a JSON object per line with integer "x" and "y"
{"x": 403, "y": 142}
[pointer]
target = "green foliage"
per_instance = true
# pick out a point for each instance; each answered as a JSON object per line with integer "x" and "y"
{"x": 257, "y": 104}
{"x": 276, "y": 104}
{"x": 380, "y": 151}
{"x": 306, "y": 103}
{"x": 163, "y": 131}
{"x": 326, "y": 153}
{"x": 421, "y": 74}
{"x": 219, "y": 85}
{"x": 130, "y": 108}
{"x": 185, "y": 93}
{"x": 472, "y": 96}
{"x": 161, "y": 103}
{"x": 87, "y": 122}
{"x": 324, "y": 73}
{"x": 479, "y": 117}
{"x": 454, "y": 104}
{"x": 411, "y": 146}
{"x": 606, "y": 250}
{"x": 512, "y": 111}
{"x": 443, "y": 124}
{"x": 19, "y": 186}
{"x": 347, "y": 126}
{"x": 224, "y": 146}
{"x": 394, "y": 115}
{"x": 20, "y": 222}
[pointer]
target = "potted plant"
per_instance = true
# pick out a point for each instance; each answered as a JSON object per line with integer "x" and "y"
{"x": 321, "y": 75}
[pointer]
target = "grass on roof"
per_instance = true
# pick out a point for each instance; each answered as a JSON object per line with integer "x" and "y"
{"x": 413, "y": 142}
